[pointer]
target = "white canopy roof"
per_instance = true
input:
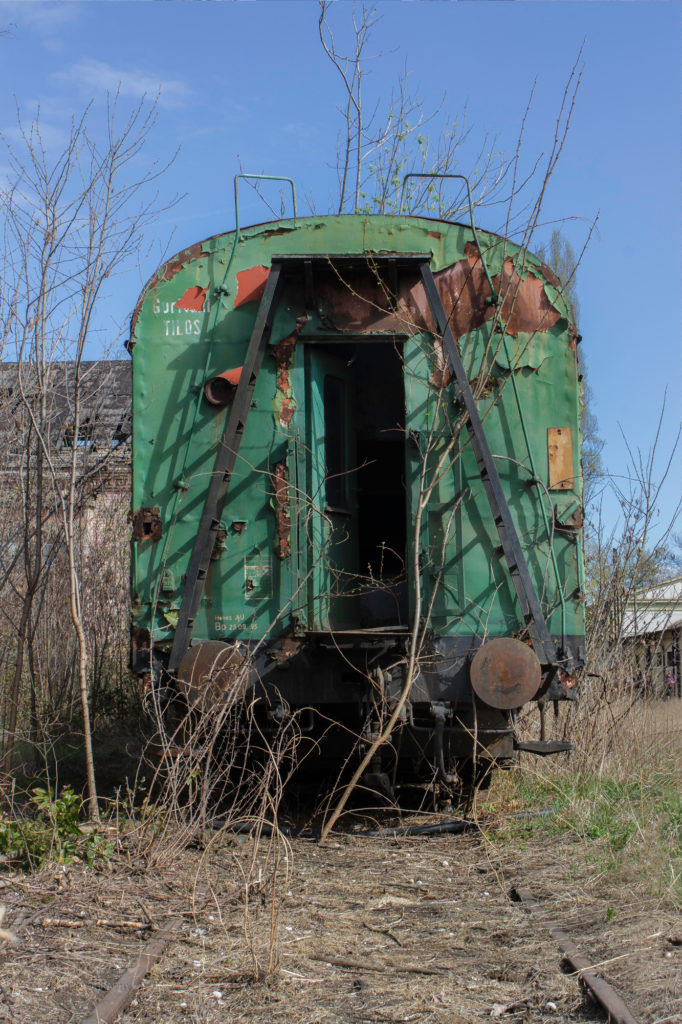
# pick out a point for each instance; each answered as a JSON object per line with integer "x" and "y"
{"x": 654, "y": 609}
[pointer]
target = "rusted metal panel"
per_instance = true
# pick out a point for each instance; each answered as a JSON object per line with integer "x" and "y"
{"x": 465, "y": 293}
{"x": 359, "y": 301}
{"x": 568, "y": 680}
{"x": 211, "y": 674}
{"x": 505, "y": 673}
{"x": 525, "y": 305}
{"x": 220, "y": 544}
{"x": 280, "y": 500}
{"x": 285, "y": 649}
{"x": 362, "y": 302}
{"x": 560, "y": 458}
{"x": 284, "y": 403}
{"x": 146, "y": 524}
{"x": 440, "y": 375}
{"x": 175, "y": 265}
{"x": 258, "y": 578}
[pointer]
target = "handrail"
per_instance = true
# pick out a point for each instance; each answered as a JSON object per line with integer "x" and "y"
{"x": 462, "y": 177}
{"x": 259, "y": 177}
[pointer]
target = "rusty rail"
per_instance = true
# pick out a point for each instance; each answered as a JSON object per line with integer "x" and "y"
{"x": 607, "y": 997}
{"x": 119, "y": 997}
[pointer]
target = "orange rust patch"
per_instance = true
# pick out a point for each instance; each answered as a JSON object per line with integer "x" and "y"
{"x": 280, "y": 486}
{"x": 166, "y": 273}
{"x": 251, "y": 285}
{"x": 568, "y": 682}
{"x": 464, "y": 291}
{"x": 193, "y": 298}
{"x": 283, "y": 352}
{"x": 525, "y": 305}
{"x": 550, "y": 276}
{"x": 286, "y": 412}
{"x": 363, "y": 302}
{"x": 194, "y": 252}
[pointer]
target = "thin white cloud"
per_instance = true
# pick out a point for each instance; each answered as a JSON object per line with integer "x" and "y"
{"x": 6, "y": 177}
{"x": 46, "y": 19}
{"x": 43, "y": 17}
{"x": 44, "y": 135}
{"x": 93, "y": 76}
{"x": 300, "y": 129}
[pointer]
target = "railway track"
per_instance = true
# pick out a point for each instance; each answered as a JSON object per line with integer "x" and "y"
{"x": 408, "y": 928}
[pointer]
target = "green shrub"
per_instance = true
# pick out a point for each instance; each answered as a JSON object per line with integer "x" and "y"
{"x": 51, "y": 834}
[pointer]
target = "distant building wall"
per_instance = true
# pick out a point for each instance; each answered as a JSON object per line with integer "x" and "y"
{"x": 102, "y": 446}
{"x": 652, "y": 628}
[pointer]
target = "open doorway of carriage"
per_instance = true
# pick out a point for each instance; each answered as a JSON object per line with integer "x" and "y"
{"x": 357, "y": 409}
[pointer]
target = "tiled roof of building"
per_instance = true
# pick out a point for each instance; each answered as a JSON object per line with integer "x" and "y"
{"x": 105, "y": 395}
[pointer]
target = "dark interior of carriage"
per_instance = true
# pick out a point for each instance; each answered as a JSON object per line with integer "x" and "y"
{"x": 365, "y": 442}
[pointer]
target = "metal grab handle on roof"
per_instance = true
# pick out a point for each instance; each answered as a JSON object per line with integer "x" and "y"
{"x": 462, "y": 177}
{"x": 259, "y": 177}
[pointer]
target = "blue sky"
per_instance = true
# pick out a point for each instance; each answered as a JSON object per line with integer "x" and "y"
{"x": 248, "y": 82}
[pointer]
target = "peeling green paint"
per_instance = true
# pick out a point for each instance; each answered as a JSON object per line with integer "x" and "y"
{"x": 525, "y": 351}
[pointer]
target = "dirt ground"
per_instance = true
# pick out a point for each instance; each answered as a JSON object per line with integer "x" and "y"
{"x": 409, "y": 929}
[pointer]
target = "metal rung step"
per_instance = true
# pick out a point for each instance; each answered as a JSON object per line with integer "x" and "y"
{"x": 543, "y": 747}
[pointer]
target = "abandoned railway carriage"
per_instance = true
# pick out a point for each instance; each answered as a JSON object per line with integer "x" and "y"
{"x": 355, "y": 439}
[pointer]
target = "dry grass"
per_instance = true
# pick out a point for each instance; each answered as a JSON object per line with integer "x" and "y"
{"x": 413, "y": 929}
{"x": 416, "y": 929}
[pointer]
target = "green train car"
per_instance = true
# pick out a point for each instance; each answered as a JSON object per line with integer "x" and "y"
{"x": 357, "y": 488}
